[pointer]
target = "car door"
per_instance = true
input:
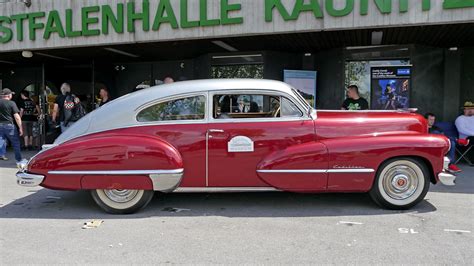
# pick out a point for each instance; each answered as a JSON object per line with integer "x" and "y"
{"x": 255, "y": 139}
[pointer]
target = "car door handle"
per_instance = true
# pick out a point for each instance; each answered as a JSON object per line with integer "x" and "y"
{"x": 215, "y": 130}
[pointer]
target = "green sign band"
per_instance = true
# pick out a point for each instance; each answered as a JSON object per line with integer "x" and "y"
{"x": 97, "y": 20}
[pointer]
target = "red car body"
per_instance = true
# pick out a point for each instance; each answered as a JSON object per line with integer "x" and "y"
{"x": 335, "y": 151}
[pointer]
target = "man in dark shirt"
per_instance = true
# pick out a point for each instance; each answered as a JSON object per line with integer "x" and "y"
{"x": 432, "y": 129}
{"x": 9, "y": 114}
{"x": 28, "y": 111}
{"x": 58, "y": 109}
{"x": 354, "y": 101}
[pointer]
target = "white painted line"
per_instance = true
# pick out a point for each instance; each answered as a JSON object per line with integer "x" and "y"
{"x": 457, "y": 231}
{"x": 345, "y": 222}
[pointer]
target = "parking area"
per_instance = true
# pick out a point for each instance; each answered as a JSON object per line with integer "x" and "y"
{"x": 44, "y": 226}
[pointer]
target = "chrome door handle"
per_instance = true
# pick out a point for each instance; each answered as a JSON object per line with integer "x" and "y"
{"x": 215, "y": 130}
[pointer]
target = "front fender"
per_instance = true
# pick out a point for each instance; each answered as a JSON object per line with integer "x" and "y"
{"x": 371, "y": 152}
{"x": 108, "y": 161}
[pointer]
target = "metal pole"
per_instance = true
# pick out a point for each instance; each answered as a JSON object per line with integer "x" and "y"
{"x": 93, "y": 85}
{"x": 43, "y": 102}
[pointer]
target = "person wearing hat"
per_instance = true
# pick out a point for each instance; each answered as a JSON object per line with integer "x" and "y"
{"x": 465, "y": 126}
{"x": 9, "y": 114}
{"x": 465, "y": 122}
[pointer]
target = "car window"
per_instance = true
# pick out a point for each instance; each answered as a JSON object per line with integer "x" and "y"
{"x": 289, "y": 109}
{"x": 190, "y": 108}
{"x": 238, "y": 106}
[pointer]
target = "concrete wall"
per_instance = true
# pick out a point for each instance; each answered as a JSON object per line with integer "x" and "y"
{"x": 252, "y": 12}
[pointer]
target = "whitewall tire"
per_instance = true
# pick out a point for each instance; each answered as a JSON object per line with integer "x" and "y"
{"x": 401, "y": 183}
{"x": 121, "y": 201}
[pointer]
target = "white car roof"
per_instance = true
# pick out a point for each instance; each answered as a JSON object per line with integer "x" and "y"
{"x": 121, "y": 112}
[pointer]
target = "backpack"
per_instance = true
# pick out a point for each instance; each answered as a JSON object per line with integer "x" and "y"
{"x": 73, "y": 109}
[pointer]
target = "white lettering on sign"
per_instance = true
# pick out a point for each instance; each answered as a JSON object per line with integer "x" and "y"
{"x": 240, "y": 144}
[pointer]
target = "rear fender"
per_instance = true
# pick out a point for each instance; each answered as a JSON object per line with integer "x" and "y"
{"x": 108, "y": 161}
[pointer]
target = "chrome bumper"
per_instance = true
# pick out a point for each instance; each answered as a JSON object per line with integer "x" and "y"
{"x": 445, "y": 177}
{"x": 28, "y": 180}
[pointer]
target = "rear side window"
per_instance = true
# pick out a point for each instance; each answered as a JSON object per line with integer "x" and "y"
{"x": 190, "y": 108}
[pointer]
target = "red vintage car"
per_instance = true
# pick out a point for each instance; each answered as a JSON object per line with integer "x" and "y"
{"x": 239, "y": 135}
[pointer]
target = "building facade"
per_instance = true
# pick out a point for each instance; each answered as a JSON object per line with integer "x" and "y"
{"x": 124, "y": 45}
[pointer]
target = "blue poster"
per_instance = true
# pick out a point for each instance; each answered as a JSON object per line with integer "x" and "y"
{"x": 304, "y": 82}
{"x": 390, "y": 87}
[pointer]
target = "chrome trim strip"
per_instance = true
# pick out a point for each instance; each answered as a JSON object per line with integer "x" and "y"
{"x": 119, "y": 172}
{"x": 313, "y": 171}
{"x": 296, "y": 171}
{"x": 349, "y": 170}
{"x": 224, "y": 189}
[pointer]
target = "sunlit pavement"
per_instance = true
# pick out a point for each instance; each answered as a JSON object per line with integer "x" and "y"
{"x": 44, "y": 226}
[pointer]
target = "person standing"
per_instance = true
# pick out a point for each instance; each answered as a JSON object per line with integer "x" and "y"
{"x": 58, "y": 109}
{"x": 354, "y": 101}
{"x": 29, "y": 112}
{"x": 104, "y": 96}
{"x": 9, "y": 114}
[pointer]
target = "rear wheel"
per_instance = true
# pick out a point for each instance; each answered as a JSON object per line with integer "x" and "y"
{"x": 121, "y": 201}
{"x": 400, "y": 183}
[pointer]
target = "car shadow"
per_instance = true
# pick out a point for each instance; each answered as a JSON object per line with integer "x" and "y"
{"x": 50, "y": 204}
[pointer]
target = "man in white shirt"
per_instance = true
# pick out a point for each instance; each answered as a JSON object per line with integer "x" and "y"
{"x": 465, "y": 123}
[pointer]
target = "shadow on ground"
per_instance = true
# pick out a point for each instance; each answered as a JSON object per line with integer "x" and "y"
{"x": 49, "y": 204}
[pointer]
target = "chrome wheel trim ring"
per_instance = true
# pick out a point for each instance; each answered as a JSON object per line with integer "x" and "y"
{"x": 116, "y": 203}
{"x": 405, "y": 181}
{"x": 120, "y": 195}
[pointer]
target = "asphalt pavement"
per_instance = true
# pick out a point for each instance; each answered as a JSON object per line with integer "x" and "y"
{"x": 42, "y": 226}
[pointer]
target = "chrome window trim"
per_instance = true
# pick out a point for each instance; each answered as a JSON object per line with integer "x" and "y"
{"x": 212, "y": 120}
{"x": 173, "y": 98}
{"x": 300, "y": 99}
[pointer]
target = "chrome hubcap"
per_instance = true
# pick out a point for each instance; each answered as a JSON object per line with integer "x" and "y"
{"x": 400, "y": 182}
{"x": 121, "y": 195}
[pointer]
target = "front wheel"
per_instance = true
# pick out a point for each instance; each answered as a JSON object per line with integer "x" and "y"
{"x": 400, "y": 183}
{"x": 121, "y": 201}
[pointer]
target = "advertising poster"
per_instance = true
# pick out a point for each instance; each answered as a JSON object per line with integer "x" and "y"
{"x": 390, "y": 87}
{"x": 304, "y": 82}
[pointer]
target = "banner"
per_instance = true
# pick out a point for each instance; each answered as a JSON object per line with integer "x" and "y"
{"x": 390, "y": 87}
{"x": 304, "y": 82}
